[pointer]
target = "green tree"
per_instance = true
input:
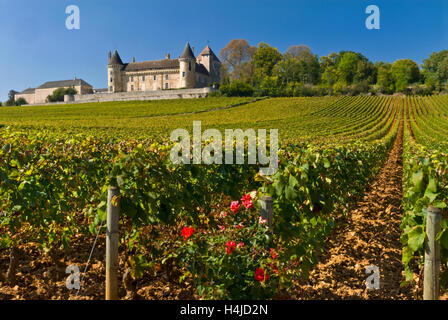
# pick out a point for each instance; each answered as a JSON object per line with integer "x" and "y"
{"x": 264, "y": 60}
{"x": 347, "y": 67}
{"x": 11, "y": 98}
{"x": 58, "y": 94}
{"x": 435, "y": 69}
{"x": 303, "y": 68}
{"x": 328, "y": 69}
{"x": 385, "y": 81}
{"x": 270, "y": 86}
{"x": 366, "y": 72}
{"x": 404, "y": 72}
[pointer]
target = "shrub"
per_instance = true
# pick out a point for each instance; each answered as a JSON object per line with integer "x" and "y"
{"x": 419, "y": 90}
{"x": 237, "y": 89}
{"x": 358, "y": 88}
{"x": 21, "y": 101}
{"x": 237, "y": 260}
{"x": 214, "y": 94}
{"x": 340, "y": 88}
{"x": 58, "y": 94}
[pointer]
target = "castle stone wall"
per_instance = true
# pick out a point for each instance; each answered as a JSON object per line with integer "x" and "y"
{"x": 145, "y": 95}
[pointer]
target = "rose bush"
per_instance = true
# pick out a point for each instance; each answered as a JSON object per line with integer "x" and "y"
{"x": 236, "y": 260}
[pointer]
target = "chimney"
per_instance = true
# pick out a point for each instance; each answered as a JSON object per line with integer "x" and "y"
{"x": 133, "y": 60}
{"x": 110, "y": 56}
{"x": 168, "y": 56}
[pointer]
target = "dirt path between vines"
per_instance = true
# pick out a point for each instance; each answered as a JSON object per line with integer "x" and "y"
{"x": 371, "y": 236}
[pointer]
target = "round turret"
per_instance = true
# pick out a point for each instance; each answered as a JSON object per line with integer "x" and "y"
{"x": 187, "y": 64}
{"x": 115, "y": 81}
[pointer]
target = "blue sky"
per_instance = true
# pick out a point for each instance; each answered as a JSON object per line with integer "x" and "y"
{"x": 36, "y": 47}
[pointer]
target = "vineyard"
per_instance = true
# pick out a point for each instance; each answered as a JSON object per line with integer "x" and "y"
{"x": 195, "y": 231}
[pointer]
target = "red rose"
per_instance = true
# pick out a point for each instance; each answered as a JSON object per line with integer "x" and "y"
{"x": 234, "y": 206}
{"x": 260, "y": 275}
{"x": 247, "y": 201}
{"x": 230, "y": 246}
{"x": 239, "y": 226}
{"x": 187, "y": 233}
{"x": 241, "y": 244}
{"x": 273, "y": 254}
{"x": 248, "y": 204}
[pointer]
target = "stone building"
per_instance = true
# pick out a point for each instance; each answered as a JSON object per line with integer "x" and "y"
{"x": 40, "y": 94}
{"x": 185, "y": 72}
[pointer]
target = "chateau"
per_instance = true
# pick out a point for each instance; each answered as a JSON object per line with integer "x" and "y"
{"x": 186, "y": 72}
{"x": 40, "y": 94}
{"x": 146, "y": 80}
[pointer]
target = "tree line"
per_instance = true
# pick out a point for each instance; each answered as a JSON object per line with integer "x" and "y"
{"x": 265, "y": 71}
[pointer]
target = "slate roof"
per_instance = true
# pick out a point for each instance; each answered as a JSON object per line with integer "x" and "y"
{"x": 153, "y": 65}
{"x": 188, "y": 53}
{"x": 200, "y": 68}
{"x": 63, "y": 83}
{"x": 28, "y": 91}
{"x": 116, "y": 59}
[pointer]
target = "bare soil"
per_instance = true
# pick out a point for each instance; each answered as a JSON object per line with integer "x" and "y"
{"x": 369, "y": 237}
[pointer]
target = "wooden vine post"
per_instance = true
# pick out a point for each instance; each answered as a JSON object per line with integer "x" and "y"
{"x": 113, "y": 212}
{"x": 266, "y": 204}
{"x": 432, "y": 255}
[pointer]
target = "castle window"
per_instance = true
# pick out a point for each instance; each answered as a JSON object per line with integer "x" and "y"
{"x": 166, "y": 85}
{"x": 111, "y": 79}
{"x": 132, "y": 87}
{"x": 132, "y": 79}
{"x": 189, "y": 66}
{"x": 143, "y": 78}
{"x": 166, "y": 77}
{"x": 155, "y": 78}
{"x": 183, "y": 74}
{"x": 111, "y": 88}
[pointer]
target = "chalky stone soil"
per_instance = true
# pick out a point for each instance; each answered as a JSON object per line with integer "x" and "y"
{"x": 371, "y": 236}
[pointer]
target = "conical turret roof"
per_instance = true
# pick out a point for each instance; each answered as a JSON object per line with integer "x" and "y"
{"x": 188, "y": 53}
{"x": 116, "y": 59}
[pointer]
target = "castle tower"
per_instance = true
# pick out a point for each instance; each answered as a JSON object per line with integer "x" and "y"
{"x": 187, "y": 63}
{"x": 211, "y": 62}
{"x": 114, "y": 73}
